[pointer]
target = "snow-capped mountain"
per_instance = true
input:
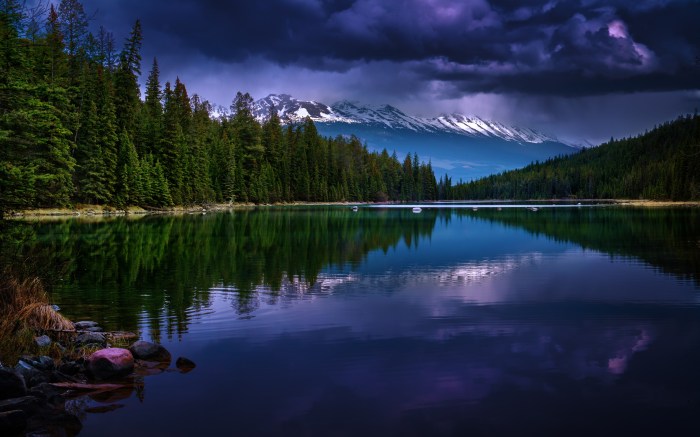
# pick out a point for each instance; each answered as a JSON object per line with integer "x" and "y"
{"x": 292, "y": 110}
{"x": 464, "y": 147}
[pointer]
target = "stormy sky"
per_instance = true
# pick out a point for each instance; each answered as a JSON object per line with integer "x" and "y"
{"x": 579, "y": 69}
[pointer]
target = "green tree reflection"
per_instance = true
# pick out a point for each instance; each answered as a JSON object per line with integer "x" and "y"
{"x": 123, "y": 272}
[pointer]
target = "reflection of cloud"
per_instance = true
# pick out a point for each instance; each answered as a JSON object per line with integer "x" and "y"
{"x": 457, "y": 332}
{"x": 483, "y": 269}
{"x": 291, "y": 287}
{"x": 618, "y": 363}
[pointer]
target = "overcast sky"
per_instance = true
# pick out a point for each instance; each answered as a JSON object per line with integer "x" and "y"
{"x": 580, "y": 69}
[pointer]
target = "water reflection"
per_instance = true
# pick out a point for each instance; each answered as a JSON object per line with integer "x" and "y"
{"x": 162, "y": 270}
{"x": 447, "y": 322}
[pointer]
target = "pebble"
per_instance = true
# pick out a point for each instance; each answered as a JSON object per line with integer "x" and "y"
{"x": 43, "y": 341}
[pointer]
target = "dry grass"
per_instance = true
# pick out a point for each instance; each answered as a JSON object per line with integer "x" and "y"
{"x": 24, "y": 303}
{"x": 25, "y": 312}
{"x": 658, "y": 203}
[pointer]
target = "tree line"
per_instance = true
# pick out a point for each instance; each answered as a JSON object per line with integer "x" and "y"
{"x": 74, "y": 129}
{"x": 661, "y": 164}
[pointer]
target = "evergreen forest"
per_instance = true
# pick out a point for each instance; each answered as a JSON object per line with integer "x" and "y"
{"x": 661, "y": 164}
{"x": 74, "y": 128}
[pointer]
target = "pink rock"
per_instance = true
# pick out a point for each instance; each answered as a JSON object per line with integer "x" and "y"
{"x": 111, "y": 363}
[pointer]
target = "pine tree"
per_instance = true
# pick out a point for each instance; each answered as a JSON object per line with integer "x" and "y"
{"x": 249, "y": 150}
{"x": 174, "y": 147}
{"x": 151, "y": 120}
{"x": 407, "y": 183}
{"x": 128, "y": 169}
{"x": 127, "y": 92}
{"x": 74, "y": 26}
{"x": 89, "y": 159}
{"x": 107, "y": 132}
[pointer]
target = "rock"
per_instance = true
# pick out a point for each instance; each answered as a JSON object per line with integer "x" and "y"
{"x": 70, "y": 368}
{"x": 110, "y": 363}
{"x": 43, "y": 341}
{"x": 25, "y": 368}
{"x": 94, "y": 329}
{"x": 32, "y": 376}
{"x": 11, "y": 384}
{"x": 13, "y": 422}
{"x": 86, "y": 338}
{"x": 45, "y": 363}
{"x": 184, "y": 365}
{"x": 48, "y": 393}
{"x": 145, "y": 350}
{"x": 84, "y": 324}
{"x": 28, "y": 404}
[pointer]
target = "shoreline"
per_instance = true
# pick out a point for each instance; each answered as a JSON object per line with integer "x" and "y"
{"x": 99, "y": 211}
{"x": 659, "y": 203}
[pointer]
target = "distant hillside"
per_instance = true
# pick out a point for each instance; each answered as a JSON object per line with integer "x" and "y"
{"x": 465, "y": 147}
{"x": 661, "y": 164}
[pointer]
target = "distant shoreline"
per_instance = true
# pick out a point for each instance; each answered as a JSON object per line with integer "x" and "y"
{"x": 106, "y": 211}
{"x": 658, "y": 203}
{"x": 109, "y": 211}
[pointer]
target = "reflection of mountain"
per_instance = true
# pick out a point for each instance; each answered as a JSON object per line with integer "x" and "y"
{"x": 463, "y": 321}
{"x": 668, "y": 239}
{"x": 160, "y": 269}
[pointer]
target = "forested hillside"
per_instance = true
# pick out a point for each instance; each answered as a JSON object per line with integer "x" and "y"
{"x": 74, "y": 129}
{"x": 662, "y": 164}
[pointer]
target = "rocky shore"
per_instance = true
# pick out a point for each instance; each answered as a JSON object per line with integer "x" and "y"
{"x": 97, "y": 211}
{"x": 44, "y": 396}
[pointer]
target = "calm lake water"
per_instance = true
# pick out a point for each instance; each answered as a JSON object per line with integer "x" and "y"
{"x": 327, "y": 322}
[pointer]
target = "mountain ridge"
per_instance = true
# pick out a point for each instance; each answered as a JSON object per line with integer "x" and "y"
{"x": 292, "y": 110}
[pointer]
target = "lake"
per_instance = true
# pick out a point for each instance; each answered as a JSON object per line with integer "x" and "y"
{"x": 321, "y": 321}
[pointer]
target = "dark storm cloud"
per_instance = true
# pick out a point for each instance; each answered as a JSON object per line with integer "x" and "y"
{"x": 584, "y": 47}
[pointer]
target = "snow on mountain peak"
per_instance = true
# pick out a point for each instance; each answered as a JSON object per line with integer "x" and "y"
{"x": 292, "y": 110}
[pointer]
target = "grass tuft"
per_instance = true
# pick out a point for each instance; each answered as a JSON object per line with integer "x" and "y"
{"x": 24, "y": 312}
{"x": 24, "y": 303}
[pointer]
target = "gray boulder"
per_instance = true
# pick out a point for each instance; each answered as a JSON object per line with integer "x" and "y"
{"x": 86, "y": 338}
{"x": 44, "y": 363}
{"x": 84, "y": 324}
{"x": 144, "y": 350}
{"x": 43, "y": 341}
{"x": 31, "y": 375}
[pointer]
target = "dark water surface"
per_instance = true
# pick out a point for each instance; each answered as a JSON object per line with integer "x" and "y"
{"x": 325, "y": 322}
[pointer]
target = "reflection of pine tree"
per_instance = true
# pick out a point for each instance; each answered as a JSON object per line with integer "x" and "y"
{"x": 164, "y": 267}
